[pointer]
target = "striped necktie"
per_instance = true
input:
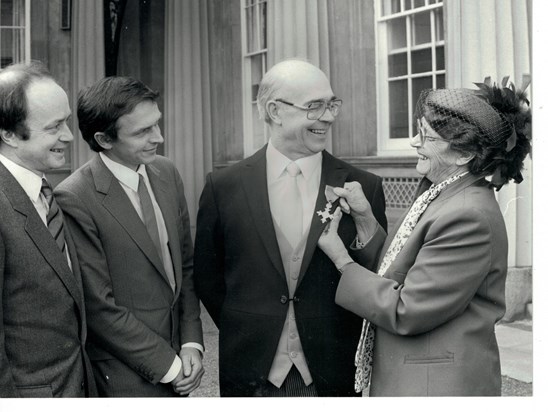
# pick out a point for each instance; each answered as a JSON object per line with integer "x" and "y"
{"x": 54, "y": 217}
{"x": 151, "y": 224}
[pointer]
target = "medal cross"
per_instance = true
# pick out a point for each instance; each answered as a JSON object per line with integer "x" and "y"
{"x": 325, "y": 214}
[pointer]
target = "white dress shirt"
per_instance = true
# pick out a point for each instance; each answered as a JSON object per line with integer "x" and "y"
{"x": 309, "y": 183}
{"x": 129, "y": 180}
{"x": 32, "y": 185}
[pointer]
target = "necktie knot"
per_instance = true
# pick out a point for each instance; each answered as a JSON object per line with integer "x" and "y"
{"x": 293, "y": 169}
{"x": 46, "y": 190}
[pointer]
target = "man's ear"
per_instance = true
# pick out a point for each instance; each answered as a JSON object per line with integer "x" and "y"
{"x": 103, "y": 140}
{"x": 9, "y": 138}
{"x": 465, "y": 158}
{"x": 272, "y": 111}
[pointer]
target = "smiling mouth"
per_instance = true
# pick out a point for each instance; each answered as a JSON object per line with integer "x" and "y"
{"x": 318, "y": 131}
{"x": 421, "y": 157}
{"x": 57, "y": 150}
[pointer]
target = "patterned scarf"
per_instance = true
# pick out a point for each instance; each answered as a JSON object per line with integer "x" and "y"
{"x": 364, "y": 352}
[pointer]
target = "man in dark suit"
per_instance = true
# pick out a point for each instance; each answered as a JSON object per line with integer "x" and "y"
{"x": 127, "y": 210}
{"x": 42, "y": 319}
{"x": 268, "y": 288}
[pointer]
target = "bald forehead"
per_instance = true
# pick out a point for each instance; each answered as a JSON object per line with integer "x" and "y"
{"x": 300, "y": 81}
{"x": 294, "y": 72}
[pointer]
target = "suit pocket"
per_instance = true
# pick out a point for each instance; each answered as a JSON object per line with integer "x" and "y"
{"x": 42, "y": 391}
{"x": 448, "y": 357}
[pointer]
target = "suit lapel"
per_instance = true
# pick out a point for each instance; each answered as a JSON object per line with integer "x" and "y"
{"x": 333, "y": 174}
{"x": 120, "y": 207}
{"x": 256, "y": 189}
{"x": 39, "y": 234}
{"x": 160, "y": 187}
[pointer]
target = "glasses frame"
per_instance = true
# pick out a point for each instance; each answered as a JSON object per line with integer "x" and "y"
{"x": 423, "y": 136}
{"x": 327, "y": 104}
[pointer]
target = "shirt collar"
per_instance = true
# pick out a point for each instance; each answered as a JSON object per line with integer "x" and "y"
{"x": 29, "y": 181}
{"x": 124, "y": 174}
{"x": 277, "y": 162}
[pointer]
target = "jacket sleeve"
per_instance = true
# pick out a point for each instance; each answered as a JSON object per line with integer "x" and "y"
{"x": 113, "y": 326}
{"x": 7, "y": 383}
{"x": 448, "y": 270}
{"x": 191, "y": 325}
{"x": 209, "y": 254}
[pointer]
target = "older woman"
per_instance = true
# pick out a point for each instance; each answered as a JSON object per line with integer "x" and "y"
{"x": 439, "y": 289}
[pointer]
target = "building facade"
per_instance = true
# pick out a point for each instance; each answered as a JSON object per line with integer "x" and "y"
{"x": 207, "y": 57}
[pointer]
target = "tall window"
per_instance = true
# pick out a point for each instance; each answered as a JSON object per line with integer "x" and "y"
{"x": 411, "y": 57}
{"x": 14, "y": 31}
{"x": 254, "y": 66}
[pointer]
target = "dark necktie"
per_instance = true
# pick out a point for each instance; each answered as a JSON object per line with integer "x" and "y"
{"x": 54, "y": 217}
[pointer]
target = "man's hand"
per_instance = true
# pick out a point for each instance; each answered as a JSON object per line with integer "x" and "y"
{"x": 191, "y": 372}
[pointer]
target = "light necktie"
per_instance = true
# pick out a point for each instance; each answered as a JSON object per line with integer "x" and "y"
{"x": 291, "y": 219}
{"x": 364, "y": 352}
{"x": 149, "y": 218}
{"x": 54, "y": 217}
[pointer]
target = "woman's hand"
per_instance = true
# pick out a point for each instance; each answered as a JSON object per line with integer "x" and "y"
{"x": 331, "y": 243}
{"x": 353, "y": 200}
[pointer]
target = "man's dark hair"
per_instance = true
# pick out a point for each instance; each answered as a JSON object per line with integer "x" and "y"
{"x": 103, "y": 103}
{"x": 14, "y": 81}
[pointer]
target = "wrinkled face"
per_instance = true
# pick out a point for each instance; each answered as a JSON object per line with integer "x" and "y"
{"x": 299, "y": 136}
{"x": 138, "y": 136}
{"x": 49, "y": 135}
{"x": 436, "y": 161}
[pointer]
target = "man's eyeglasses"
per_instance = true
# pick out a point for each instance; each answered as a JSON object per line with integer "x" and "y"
{"x": 315, "y": 110}
{"x": 423, "y": 136}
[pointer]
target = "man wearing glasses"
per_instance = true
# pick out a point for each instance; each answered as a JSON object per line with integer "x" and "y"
{"x": 268, "y": 288}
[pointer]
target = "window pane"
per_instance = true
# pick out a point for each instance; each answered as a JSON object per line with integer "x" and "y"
{"x": 12, "y": 13}
{"x": 256, "y": 74}
{"x": 440, "y": 81}
{"x": 421, "y": 28}
{"x": 258, "y": 129}
{"x": 419, "y": 85}
{"x": 440, "y": 58}
{"x": 262, "y": 16}
{"x": 390, "y": 7}
{"x": 249, "y": 2}
{"x": 438, "y": 14}
{"x": 397, "y": 64}
{"x": 408, "y": 5}
{"x": 419, "y": 3}
{"x": 396, "y": 34}
{"x": 12, "y": 46}
{"x": 421, "y": 61}
{"x": 251, "y": 29}
{"x": 398, "y": 109}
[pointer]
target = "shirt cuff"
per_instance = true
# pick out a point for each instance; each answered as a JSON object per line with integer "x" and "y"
{"x": 173, "y": 370}
{"x": 194, "y": 345}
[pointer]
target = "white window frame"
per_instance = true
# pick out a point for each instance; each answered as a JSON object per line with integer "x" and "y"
{"x": 26, "y": 28}
{"x": 247, "y": 101}
{"x": 400, "y": 147}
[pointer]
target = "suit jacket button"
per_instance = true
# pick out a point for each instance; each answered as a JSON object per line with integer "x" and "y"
{"x": 283, "y": 299}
